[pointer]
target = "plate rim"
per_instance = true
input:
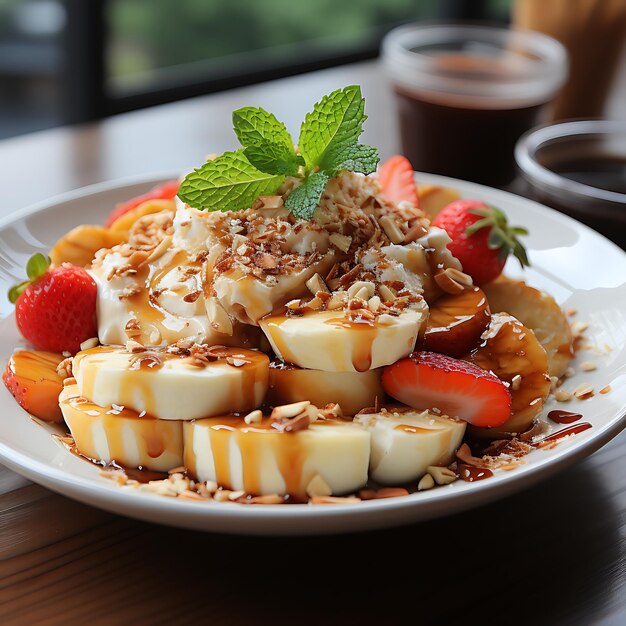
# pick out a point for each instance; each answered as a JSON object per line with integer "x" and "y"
{"x": 429, "y": 504}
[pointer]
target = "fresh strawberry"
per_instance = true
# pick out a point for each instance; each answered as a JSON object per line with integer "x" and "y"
{"x": 481, "y": 238}
{"x": 397, "y": 180}
{"x": 427, "y": 380}
{"x": 56, "y": 308}
{"x": 32, "y": 378}
{"x": 165, "y": 191}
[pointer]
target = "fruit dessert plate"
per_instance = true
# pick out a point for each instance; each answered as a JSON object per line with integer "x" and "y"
{"x": 303, "y": 340}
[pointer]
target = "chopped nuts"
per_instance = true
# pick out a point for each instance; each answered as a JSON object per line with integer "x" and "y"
{"x": 426, "y": 482}
{"x": 134, "y": 346}
{"x": 89, "y": 343}
{"x": 342, "y": 242}
{"x": 64, "y": 368}
{"x": 386, "y": 294}
{"x": 560, "y": 395}
{"x": 441, "y": 475}
{"x": 385, "y": 319}
{"x": 363, "y": 287}
{"x": 235, "y": 495}
{"x": 392, "y": 230}
{"x": 453, "y": 281}
{"x": 287, "y": 411}
{"x": 583, "y": 392}
{"x": 374, "y": 304}
{"x": 218, "y": 317}
{"x": 254, "y": 417}
{"x": 516, "y": 381}
{"x": 337, "y": 300}
{"x": 316, "y": 283}
{"x": 318, "y": 487}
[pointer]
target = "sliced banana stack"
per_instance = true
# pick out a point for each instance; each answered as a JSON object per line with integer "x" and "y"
{"x": 326, "y": 340}
{"x": 353, "y": 391}
{"x": 327, "y": 457}
{"x": 199, "y": 382}
{"x": 405, "y": 442}
{"x": 115, "y": 433}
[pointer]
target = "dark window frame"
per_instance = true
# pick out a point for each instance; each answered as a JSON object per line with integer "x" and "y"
{"x": 85, "y": 96}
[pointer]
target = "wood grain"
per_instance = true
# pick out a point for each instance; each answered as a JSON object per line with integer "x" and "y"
{"x": 554, "y": 554}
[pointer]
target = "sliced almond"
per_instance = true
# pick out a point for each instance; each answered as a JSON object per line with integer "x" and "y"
{"x": 359, "y": 286}
{"x": 453, "y": 281}
{"x": 316, "y": 283}
{"x": 287, "y": 411}
{"x": 386, "y": 294}
{"x": 218, "y": 317}
{"x": 427, "y": 482}
{"x": 392, "y": 230}
{"x": 374, "y": 304}
{"x": 342, "y": 242}
{"x": 337, "y": 300}
{"x": 254, "y": 417}
{"x": 441, "y": 475}
{"x": 89, "y": 343}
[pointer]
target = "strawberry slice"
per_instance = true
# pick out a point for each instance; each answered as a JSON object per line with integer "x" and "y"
{"x": 397, "y": 180}
{"x": 427, "y": 380}
{"x": 165, "y": 191}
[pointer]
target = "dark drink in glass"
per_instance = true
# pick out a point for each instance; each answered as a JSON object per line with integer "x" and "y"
{"x": 579, "y": 168}
{"x": 465, "y": 94}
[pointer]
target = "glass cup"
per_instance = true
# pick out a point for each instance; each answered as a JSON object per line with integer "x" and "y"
{"x": 466, "y": 93}
{"x": 579, "y": 168}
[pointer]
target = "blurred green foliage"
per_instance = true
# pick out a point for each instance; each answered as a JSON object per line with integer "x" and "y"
{"x": 150, "y": 34}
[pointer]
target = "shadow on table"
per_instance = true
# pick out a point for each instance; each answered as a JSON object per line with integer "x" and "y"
{"x": 542, "y": 556}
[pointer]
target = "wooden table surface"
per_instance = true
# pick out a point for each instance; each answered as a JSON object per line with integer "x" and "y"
{"x": 553, "y": 554}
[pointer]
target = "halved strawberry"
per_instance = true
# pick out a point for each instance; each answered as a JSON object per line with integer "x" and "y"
{"x": 427, "y": 380}
{"x": 165, "y": 191}
{"x": 397, "y": 180}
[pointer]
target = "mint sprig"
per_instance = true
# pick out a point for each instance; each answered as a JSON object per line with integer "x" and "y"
{"x": 328, "y": 145}
{"x": 303, "y": 200}
{"x": 228, "y": 183}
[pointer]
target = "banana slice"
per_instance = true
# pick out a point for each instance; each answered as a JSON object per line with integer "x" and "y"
{"x": 538, "y": 311}
{"x": 80, "y": 245}
{"x": 353, "y": 391}
{"x": 197, "y": 383}
{"x": 456, "y": 322}
{"x": 125, "y": 222}
{"x": 325, "y": 340}
{"x": 512, "y": 352}
{"x": 405, "y": 442}
{"x": 433, "y": 198}
{"x": 329, "y": 457}
{"x": 119, "y": 434}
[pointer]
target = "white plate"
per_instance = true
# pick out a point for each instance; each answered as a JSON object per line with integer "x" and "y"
{"x": 580, "y": 268}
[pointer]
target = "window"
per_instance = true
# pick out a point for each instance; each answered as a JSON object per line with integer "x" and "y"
{"x": 65, "y": 61}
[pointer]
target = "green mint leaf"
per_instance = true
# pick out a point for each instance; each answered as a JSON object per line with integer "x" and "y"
{"x": 37, "y": 266}
{"x": 336, "y": 122}
{"x": 268, "y": 145}
{"x": 272, "y": 158}
{"x": 229, "y": 183}
{"x": 303, "y": 200}
{"x": 357, "y": 158}
{"x": 17, "y": 290}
